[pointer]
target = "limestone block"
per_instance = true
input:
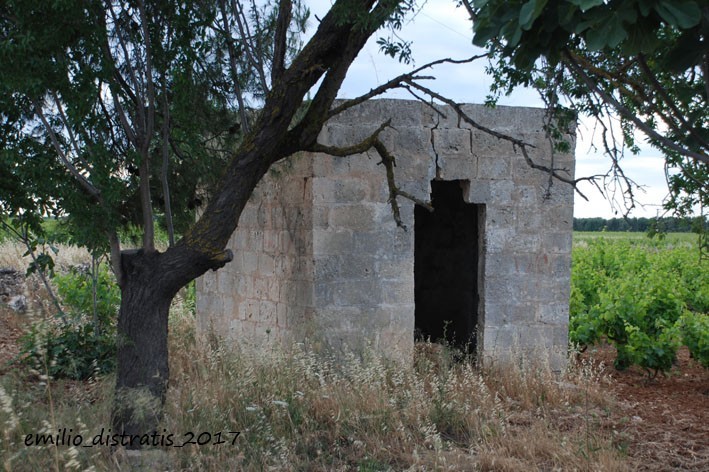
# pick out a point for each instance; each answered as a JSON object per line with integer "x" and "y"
{"x": 553, "y": 313}
{"x": 530, "y": 221}
{"x": 524, "y": 243}
{"x": 451, "y": 141}
{"x": 509, "y": 313}
{"x": 497, "y": 238}
{"x": 500, "y": 217}
{"x": 484, "y": 144}
{"x": 282, "y": 315}
{"x": 506, "y": 118}
{"x": 395, "y": 292}
{"x": 356, "y": 293}
{"x": 496, "y": 167}
{"x": 404, "y": 140}
{"x": 260, "y": 287}
{"x": 332, "y": 241}
{"x": 394, "y": 268}
{"x": 401, "y": 113}
{"x": 266, "y": 264}
{"x": 479, "y": 191}
{"x": 267, "y": 313}
{"x": 400, "y": 317}
{"x": 558, "y": 242}
{"x": 501, "y": 192}
{"x": 457, "y": 167}
{"x": 383, "y": 241}
{"x": 352, "y": 216}
{"x": 414, "y": 166}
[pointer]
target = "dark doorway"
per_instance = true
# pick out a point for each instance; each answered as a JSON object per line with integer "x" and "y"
{"x": 446, "y": 267}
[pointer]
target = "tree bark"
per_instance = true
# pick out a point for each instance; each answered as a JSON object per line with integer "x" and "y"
{"x": 149, "y": 280}
{"x": 142, "y": 347}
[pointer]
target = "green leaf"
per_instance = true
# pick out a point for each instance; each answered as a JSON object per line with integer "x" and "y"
{"x": 529, "y": 12}
{"x": 585, "y": 5}
{"x": 683, "y": 15}
{"x": 610, "y": 34}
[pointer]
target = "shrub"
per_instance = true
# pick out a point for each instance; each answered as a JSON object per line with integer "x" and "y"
{"x": 84, "y": 344}
{"x": 636, "y": 296}
{"x": 694, "y": 328}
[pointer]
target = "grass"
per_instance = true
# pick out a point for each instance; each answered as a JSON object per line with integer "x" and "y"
{"x": 296, "y": 410}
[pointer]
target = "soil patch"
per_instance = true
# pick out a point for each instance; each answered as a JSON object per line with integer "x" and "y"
{"x": 664, "y": 423}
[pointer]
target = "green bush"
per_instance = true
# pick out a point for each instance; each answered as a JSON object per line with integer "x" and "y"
{"x": 694, "y": 328}
{"x": 84, "y": 344}
{"x": 644, "y": 297}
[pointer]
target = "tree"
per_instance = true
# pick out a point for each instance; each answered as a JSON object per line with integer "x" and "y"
{"x": 114, "y": 111}
{"x": 643, "y": 61}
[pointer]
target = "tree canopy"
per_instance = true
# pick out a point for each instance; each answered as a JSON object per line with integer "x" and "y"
{"x": 645, "y": 62}
{"x": 114, "y": 111}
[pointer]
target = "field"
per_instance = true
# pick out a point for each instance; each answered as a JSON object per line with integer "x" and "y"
{"x": 670, "y": 239}
{"x": 297, "y": 411}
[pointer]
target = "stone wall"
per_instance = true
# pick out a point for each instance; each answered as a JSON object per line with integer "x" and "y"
{"x": 318, "y": 256}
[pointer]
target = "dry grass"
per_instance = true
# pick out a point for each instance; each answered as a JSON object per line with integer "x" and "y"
{"x": 11, "y": 256}
{"x": 298, "y": 411}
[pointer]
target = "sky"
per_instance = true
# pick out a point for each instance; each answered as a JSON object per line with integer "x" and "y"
{"x": 441, "y": 30}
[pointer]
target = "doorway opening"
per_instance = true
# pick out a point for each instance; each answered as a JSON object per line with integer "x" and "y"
{"x": 446, "y": 255}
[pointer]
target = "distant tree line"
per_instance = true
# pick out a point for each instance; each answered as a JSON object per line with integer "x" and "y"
{"x": 665, "y": 224}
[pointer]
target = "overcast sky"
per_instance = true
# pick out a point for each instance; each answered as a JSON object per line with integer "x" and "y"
{"x": 441, "y": 30}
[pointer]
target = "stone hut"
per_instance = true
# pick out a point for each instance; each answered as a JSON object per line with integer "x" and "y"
{"x": 319, "y": 258}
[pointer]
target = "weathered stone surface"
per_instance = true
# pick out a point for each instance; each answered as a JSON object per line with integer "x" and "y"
{"x": 319, "y": 259}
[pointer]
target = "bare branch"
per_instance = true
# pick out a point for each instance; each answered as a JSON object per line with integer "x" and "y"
{"x": 469, "y": 8}
{"x": 233, "y": 68}
{"x": 359, "y": 148}
{"x": 164, "y": 171}
{"x": 70, "y": 132}
{"x": 398, "y": 81}
{"x": 126, "y": 55}
{"x": 670, "y": 103}
{"x": 627, "y": 114}
{"x": 285, "y": 13}
{"x": 150, "y": 89}
{"x": 516, "y": 143}
{"x": 243, "y": 26}
{"x": 389, "y": 163}
{"x": 83, "y": 181}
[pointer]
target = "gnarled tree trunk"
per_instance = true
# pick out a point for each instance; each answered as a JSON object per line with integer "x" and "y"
{"x": 149, "y": 280}
{"x": 142, "y": 346}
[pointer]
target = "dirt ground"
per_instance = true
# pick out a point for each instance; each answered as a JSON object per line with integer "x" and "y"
{"x": 662, "y": 424}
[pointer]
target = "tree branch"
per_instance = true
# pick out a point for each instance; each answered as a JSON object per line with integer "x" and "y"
{"x": 83, "y": 181}
{"x": 389, "y": 163}
{"x": 233, "y": 68}
{"x": 359, "y": 148}
{"x": 516, "y": 143}
{"x": 670, "y": 103}
{"x": 243, "y": 26}
{"x": 148, "y": 122}
{"x": 70, "y": 132}
{"x": 164, "y": 171}
{"x": 398, "y": 81}
{"x": 627, "y": 114}
{"x": 285, "y": 13}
